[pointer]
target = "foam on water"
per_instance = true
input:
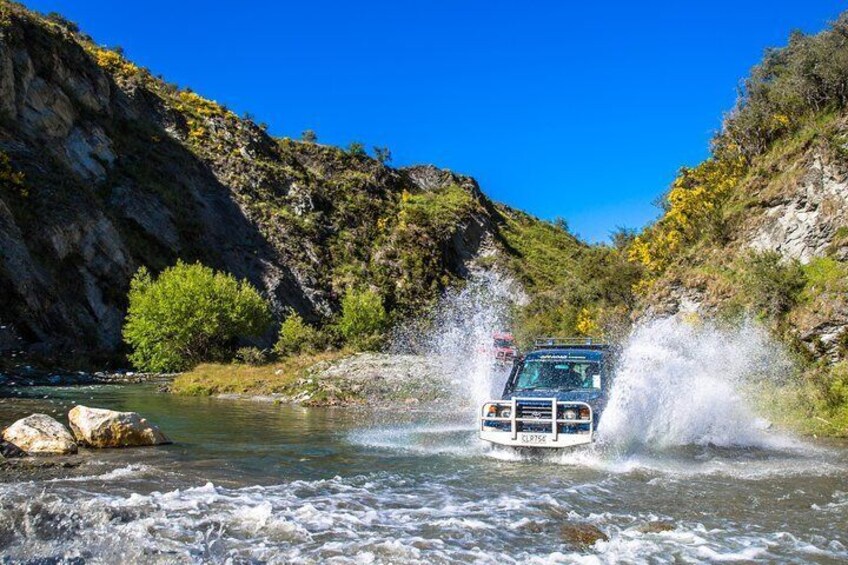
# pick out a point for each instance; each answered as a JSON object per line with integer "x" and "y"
{"x": 378, "y": 518}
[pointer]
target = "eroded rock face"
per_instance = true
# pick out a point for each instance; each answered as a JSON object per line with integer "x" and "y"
{"x": 803, "y": 224}
{"x": 96, "y": 427}
{"x": 40, "y": 434}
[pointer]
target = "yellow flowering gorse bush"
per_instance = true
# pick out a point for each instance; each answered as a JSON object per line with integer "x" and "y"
{"x": 694, "y": 209}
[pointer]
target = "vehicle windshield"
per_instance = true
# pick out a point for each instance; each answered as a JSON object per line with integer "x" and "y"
{"x": 503, "y": 343}
{"x": 558, "y": 374}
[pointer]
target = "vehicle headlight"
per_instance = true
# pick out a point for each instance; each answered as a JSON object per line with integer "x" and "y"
{"x": 506, "y": 412}
{"x": 490, "y": 410}
{"x": 570, "y": 414}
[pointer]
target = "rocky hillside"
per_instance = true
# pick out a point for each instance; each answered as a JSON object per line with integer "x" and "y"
{"x": 105, "y": 168}
{"x": 760, "y": 229}
{"x": 762, "y": 226}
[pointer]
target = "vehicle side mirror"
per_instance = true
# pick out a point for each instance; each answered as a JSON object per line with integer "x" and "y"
{"x": 596, "y": 381}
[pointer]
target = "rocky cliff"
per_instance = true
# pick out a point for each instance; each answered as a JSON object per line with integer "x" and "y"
{"x": 104, "y": 168}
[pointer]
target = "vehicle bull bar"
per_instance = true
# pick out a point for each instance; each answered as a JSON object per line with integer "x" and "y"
{"x": 554, "y": 421}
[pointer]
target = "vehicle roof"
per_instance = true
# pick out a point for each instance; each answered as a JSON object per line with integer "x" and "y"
{"x": 566, "y": 353}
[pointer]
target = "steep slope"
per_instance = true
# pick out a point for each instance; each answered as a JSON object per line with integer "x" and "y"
{"x": 105, "y": 168}
{"x": 774, "y": 196}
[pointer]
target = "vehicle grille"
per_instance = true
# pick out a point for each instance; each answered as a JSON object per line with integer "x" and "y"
{"x": 536, "y": 411}
{"x": 533, "y": 411}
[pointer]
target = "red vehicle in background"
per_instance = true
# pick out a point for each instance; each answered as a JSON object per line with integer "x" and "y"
{"x": 504, "y": 348}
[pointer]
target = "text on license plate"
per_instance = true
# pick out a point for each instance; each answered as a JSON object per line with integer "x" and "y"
{"x": 534, "y": 438}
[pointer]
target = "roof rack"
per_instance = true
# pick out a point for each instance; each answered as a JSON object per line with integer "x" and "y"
{"x": 569, "y": 343}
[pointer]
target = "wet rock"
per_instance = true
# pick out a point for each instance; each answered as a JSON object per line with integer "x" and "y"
{"x": 10, "y": 451}
{"x": 655, "y": 527}
{"x": 39, "y": 433}
{"x": 534, "y": 527}
{"x": 581, "y": 536}
{"x": 36, "y": 468}
{"x": 96, "y": 427}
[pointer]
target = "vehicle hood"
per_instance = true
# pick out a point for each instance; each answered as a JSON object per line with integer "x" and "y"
{"x": 591, "y": 397}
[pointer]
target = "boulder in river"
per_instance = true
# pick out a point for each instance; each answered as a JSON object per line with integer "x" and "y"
{"x": 96, "y": 427}
{"x": 581, "y": 536}
{"x": 39, "y": 433}
{"x": 657, "y": 527}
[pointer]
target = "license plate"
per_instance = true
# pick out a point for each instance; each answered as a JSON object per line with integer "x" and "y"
{"x": 534, "y": 438}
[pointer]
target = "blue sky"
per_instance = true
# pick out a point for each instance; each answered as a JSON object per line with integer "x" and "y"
{"x": 564, "y": 109}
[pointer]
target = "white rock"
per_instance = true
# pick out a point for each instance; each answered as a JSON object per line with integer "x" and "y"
{"x": 96, "y": 427}
{"x": 39, "y": 433}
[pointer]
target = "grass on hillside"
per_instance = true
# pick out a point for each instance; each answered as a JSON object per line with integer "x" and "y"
{"x": 276, "y": 378}
{"x": 796, "y": 408}
{"x": 545, "y": 252}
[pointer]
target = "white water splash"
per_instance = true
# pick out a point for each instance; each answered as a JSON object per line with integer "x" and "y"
{"x": 459, "y": 332}
{"x": 681, "y": 384}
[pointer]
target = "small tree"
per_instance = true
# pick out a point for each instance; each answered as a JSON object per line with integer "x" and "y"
{"x": 772, "y": 282}
{"x": 309, "y": 136}
{"x": 356, "y": 149}
{"x": 296, "y": 336}
{"x": 190, "y": 314}
{"x": 363, "y": 318}
{"x": 382, "y": 154}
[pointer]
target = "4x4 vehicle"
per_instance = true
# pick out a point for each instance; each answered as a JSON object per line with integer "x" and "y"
{"x": 503, "y": 348}
{"x": 553, "y": 397}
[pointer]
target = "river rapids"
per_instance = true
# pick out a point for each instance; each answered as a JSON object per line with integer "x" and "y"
{"x": 684, "y": 471}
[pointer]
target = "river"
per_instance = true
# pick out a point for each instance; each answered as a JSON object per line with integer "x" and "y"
{"x": 251, "y": 482}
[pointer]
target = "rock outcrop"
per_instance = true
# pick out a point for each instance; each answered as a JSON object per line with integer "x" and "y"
{"x": 40, "y": 434}
{"x": 96, "y": 427}
{"x": 802, "y": 222}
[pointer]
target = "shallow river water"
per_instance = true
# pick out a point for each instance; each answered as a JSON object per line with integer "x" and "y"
{"x": 249, "y": 482}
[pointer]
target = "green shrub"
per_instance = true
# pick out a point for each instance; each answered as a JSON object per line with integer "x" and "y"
{"x": 382, "y": 154}
{"x": 363, "y": 318}
{"x": 773, "y": 284}
{"x": 309, "y": 136}
{"x": 356, "y": 149}
{"x": 189, "y": 314}
{"x": 438, "y": 211}
{"x": 835, "y": 387}
{"x": 804, "y": 79}
{"x": 296, "y": 336}
{"x": 251, "y": 356}
{"x": 824, "y": 275}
